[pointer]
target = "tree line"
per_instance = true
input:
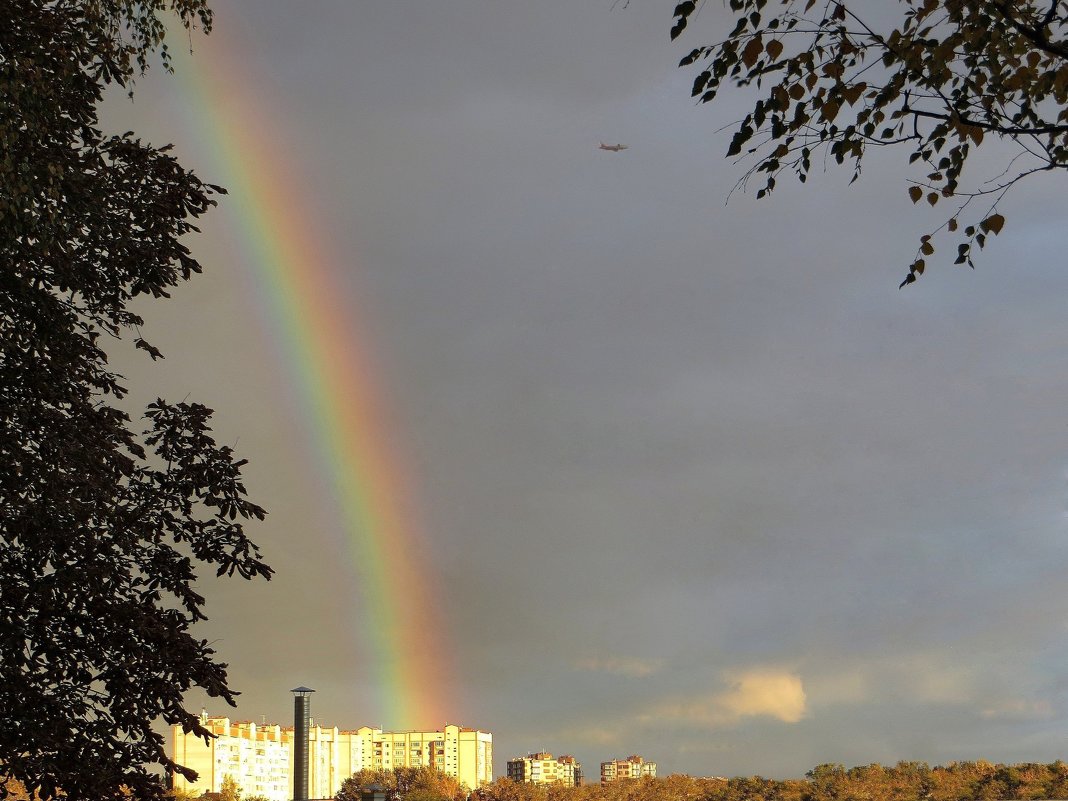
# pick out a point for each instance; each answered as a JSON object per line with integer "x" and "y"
{"x": 905, "y": 781}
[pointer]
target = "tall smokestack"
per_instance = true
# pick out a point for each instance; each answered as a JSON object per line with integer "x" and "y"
{"x": 301, "y": 732}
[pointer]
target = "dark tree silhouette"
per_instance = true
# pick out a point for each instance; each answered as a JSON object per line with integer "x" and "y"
{"x": 103, "y": 520}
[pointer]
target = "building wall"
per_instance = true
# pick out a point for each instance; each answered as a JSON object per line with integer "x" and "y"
{"x": 260, "y": 758}
{"x": 257, "y": 757}
{"x": 466, "y": 754}
{"x": 576, "y": 767}
{"x": 323, "y": 764}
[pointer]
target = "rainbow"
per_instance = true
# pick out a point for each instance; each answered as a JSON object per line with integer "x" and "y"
{"x": 316, "y": 332}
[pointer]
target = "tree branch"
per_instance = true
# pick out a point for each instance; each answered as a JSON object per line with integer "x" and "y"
{"x": 1033, "y": 33}
{"x": 1008, "y": 130}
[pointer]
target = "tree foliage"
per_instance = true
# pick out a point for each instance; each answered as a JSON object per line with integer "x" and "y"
{"x": 942, "y": 80}
{"x": 103, "y": 520}
{"x": 905, "y": 781}
{"x": 230, "y": 790}
{"x": 411, "y": 783}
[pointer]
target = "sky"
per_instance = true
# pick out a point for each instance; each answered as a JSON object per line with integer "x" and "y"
{"x": 676, "y": 477}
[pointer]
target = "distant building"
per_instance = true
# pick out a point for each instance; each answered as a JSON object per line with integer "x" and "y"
{"x": 542, "y": 768}
{"x": 567, "y": 759}
{"x": 633, "y": 767}
{"x": 260, "y": 758}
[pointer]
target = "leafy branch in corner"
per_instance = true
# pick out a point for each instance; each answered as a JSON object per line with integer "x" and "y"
{"x": 951, "y": 75}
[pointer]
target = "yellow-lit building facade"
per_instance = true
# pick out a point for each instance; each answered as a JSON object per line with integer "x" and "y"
{"x": 466, "y": 754}
{"x": 257, "y": 757}
{"x": 543, "y": 768}
{"x": 260, "y": 757}
{"x": 633, "y": 767}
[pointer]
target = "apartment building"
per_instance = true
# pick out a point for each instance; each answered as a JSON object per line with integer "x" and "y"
{"x": 577, "y": 767}
{"x": 466, "y": 754}
{"x": 542, "y": 768}
{"x": 257, "y": 757}
{"x": 260, "y": 757}
{"x": 633, "y": 767}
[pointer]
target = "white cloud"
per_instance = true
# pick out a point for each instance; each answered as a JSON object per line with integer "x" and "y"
{"x": 757, "y": 692}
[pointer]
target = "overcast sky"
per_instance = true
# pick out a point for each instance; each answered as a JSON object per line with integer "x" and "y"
{"x": 697, "y": 481}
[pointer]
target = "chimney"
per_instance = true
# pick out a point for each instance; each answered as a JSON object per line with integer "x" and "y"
{"x": 301, "y": 732}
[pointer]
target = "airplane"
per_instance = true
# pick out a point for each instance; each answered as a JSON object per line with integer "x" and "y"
{"x": 613, "y": 148}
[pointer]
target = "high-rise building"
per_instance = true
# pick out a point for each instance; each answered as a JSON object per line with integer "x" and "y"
{"x": 633, "y": 767}
{"x": 260, "y": 757}
{"x": 542, "y": 768}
